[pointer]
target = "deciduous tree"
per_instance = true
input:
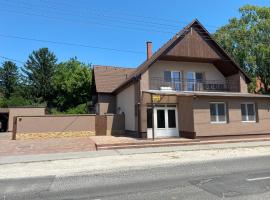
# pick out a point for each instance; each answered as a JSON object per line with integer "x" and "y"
{"x": 72, "y": 84}
{"x": 247, "y": 39}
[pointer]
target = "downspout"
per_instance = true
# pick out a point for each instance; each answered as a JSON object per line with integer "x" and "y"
{"x": 139, "y": 109}
{"x": 153, "y": 129}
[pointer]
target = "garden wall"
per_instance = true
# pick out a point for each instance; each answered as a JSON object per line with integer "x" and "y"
{"x": 92, "y": 124}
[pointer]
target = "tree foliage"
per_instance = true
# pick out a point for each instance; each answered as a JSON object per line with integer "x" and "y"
{"x": 71, "y": 83}
{"x": 8, "y": 78}
{"x": 39, "y": 69}
{"x": 64, "y": 87}
{"x": 247, "y": 39}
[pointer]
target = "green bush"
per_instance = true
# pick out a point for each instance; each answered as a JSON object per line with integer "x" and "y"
{"x": 80, "y": 109}
{"x": 14, "y": 101}
{"x": 54, "y": 111}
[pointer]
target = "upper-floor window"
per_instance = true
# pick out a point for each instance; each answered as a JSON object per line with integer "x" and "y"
{"x": 218, "y": 112}
{"x": 248, "y": 112}
{"x": 173, "y": 79}
{"x": 193, "y": 80}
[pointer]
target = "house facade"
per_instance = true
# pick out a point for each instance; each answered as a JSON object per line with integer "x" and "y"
{"x": 190, "y": 87}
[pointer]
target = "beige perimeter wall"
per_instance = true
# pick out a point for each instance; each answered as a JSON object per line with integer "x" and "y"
{"x": 235, "y": 126}
{"x": 109, "y": 124}
{"x": 49, "y": 123}
{"x": 23, "y": 112}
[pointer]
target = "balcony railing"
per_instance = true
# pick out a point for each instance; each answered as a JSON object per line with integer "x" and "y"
{"x": 158, "y": 83}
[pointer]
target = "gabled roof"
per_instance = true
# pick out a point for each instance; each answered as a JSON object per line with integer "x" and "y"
{"x": 171, "y": 43}
{"x": 107, "y": 78}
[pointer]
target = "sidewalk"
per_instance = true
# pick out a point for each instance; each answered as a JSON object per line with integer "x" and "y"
{"x": 120, "y": 152}
{"x": 10, "y": 147}
{"x": 120, "y": 161}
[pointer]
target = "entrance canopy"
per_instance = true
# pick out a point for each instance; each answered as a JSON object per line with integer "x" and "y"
{"x": 197, "y": 93}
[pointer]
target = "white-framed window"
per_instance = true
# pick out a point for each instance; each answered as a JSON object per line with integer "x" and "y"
{"x": 248, "y": 112}
{"x": 174, "y": 78}
{"x": 218, "y": 112}
{"x": 193, "y": 78}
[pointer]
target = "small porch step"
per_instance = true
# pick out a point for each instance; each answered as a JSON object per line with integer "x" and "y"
{"x": 199, "y": 141}
{"x": 145, "y": 144}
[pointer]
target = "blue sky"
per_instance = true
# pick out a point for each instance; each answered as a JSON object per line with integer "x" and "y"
{"x": 119, "y": 24}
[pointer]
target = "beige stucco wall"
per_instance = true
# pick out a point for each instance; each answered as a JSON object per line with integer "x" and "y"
{"x": 238, "y": 83}
{"x": 23, "y": 112}
{"x": 209, "y": 70}
{"x": 203, "y": 126}
{"x": 185, "y": 115}
{"x": 243, "y": 84}
{"x": 106, "y": 104}
{"x": 115, "y": 124}
{"x": 144, "y": 82}
{"x": 54, "y": 123}
{"x": 125, "y": 101}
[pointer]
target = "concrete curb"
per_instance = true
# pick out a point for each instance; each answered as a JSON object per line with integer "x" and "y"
{"x": 173, "y": 143}
{"x": 118, "y": 152}
{"x": 54, "y": 156}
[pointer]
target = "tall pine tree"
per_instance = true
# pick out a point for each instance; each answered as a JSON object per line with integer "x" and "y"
{"x": 8, "y": 78}
{"x": 39, "y": 70}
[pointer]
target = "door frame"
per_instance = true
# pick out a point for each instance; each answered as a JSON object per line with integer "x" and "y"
{"x": 164, "y": 132}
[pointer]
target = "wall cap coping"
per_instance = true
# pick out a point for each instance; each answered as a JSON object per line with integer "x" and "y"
{"x": 82, "y": 115}
{"x": 25, "y": 107}
{"x": 111, "y": 114}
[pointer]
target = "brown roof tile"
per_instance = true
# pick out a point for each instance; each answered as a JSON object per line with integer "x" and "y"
{"x": 107, "y": 78}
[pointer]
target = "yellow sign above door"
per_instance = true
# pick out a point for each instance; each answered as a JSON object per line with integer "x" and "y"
{"x": 156, "y": 98}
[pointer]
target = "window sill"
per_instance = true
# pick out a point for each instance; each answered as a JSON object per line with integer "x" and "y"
{"x": 219, "y": 122}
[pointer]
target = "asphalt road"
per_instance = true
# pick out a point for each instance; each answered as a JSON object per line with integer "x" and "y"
{"x": 235, "y": 179}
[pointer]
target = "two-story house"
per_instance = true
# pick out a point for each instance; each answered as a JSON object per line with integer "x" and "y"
{"x": 190, "y": 87}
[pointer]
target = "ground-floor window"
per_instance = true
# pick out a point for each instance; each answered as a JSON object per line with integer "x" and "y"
{"x": 218, "y": 112}
{"x": 248, "y": 112}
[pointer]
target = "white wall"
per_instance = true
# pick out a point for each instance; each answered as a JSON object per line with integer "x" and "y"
{"x": 125, "y": 101}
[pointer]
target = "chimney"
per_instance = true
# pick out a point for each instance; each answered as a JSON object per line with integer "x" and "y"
{"x": 149, "y": 49}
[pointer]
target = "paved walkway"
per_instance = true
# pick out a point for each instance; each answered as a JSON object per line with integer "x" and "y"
{"x": 132, "y": 152}
{"x": 66, "y": 145}
{"x": 57, "y": 145}
{"x": 5, "y": 135}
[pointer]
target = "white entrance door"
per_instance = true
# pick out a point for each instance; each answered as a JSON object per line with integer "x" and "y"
{"x": 165, "y": 122}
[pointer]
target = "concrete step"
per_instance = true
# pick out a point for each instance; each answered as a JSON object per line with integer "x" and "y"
{"x": 143, "y": 145}
{"x": 175, "y": 143}
{"x": 148, "y": 142}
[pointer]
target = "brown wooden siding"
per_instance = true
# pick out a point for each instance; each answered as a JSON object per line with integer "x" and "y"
{"x": 193, "y": 45}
